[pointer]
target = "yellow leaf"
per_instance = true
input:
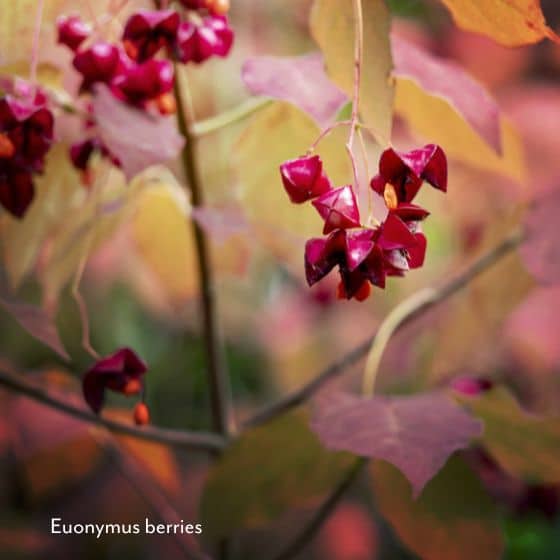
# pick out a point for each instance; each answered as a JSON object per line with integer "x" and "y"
{"x": 437, "y": 121}
{"x": 509, "y": 22}
{"x": 17, "y": 25}
{"x": 163, "y": 237}
{"x": 524, "y": 445}
{"x": 90, "y": 222}
{"x": 279, "y": 133}
{"x": 332, "y": 26}
{"x": 56, "y": 192}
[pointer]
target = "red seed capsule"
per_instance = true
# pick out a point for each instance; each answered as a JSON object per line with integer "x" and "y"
{"x": 141, "y": 414}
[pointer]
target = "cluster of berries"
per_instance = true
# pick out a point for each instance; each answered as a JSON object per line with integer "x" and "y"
{"x": 121, "y": 372}
{"x": 365, "y": 256}
{"x": 26, "y": 134}
{"x": 131, "y": 70}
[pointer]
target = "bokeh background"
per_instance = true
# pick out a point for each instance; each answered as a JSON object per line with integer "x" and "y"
{"x": 278, "y": 333}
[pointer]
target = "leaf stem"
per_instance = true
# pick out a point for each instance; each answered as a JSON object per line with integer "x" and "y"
{"x": 227, "y": 118}
{"x": 358, "y": 55}
{"x": 220, "y": 390}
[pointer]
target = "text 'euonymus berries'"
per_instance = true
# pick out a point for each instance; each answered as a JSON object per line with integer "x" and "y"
{"x": 122, "y": 372}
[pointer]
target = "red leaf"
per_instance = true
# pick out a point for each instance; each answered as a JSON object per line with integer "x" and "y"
{"x": 447, "y": 80}
{"x": 300, "y": 80}
{"x": 137, "y": 138}
{"x": 541, "y": 252}
{"x": 417, "y": 434}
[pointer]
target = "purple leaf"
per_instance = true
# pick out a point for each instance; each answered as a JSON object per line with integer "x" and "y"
{"x": 417, "y": 434}
{"x": 300, "y": 80}
{"x": 36, "y": 322}
{"x": 445, "y": 79}
{"x": 540, "y": 252}
{"x": 220, "y": 223}
{"x": 137, "y": 138}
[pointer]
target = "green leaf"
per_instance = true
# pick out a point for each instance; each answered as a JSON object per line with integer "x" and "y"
{"x": 332, "y": 26}
{"x": 454, "y": 518}
{"x": 267, "y": 471}
{"x": 524, "y": 445}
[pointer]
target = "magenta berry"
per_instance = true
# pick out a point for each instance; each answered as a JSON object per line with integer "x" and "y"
{"x": 72, "y": 31}
{"x": 406, "y": 172}
{"x": 141, "y": 83}
{"x": 121, "y": 372}
{"x": 338, "y": 208}
{"x": 26, "y": 135}
{"x": 199, "y": 42}
{"x": 98, "y": 64}
{"x": 304, "y": 178}
{"x": 146, "y": 32}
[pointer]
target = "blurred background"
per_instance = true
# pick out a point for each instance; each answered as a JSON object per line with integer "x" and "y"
{"x": 140, "y": 287}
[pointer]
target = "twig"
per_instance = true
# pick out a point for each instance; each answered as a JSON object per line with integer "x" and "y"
{"x": 307, "y": 534}
{"x": 194, "y": 440}
{"x": 326, "y": 132}
{"x": 216, "y": 123}
{"x": 483, "y": 263}
{"x": 220, "y": 390}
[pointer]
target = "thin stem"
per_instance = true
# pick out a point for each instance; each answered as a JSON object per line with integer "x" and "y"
{"x": 36, "y": 39}
{"x": 358, "y": 55}
{"x": 300, "y": 396}
{"x": 191, "y": 440}
{"x": 220, "y": 390}
{"x": 305, "y": 537}
{"x": 227, "y": 118}
{"x": 326, "y": 132}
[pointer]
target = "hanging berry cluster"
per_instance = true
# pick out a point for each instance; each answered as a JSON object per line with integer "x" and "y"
{"x": 122, "y": 372}
{"x": 26, "y": 134}
{"x": 365, "y": 256}
{"x": 139, "y": 69}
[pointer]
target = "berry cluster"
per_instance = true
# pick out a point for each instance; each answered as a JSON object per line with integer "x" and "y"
{"x": 122, "y": 372}
{"x": 26, "y": 134}
{"x": 139, "y": 69}
{"x": 364, "y": 255}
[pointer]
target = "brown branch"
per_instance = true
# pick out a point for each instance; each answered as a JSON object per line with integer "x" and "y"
{"x": 309, "y": 531}
{"x": 220, "y": 390}
{"x": 192, "y": 440}
{"x": 300, "y": 396}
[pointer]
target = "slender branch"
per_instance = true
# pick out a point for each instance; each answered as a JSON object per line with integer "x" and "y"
{"x": 456, "y": 283}
{"x": 358, "y": 55}
{"x": 305, "y": 537}
{"x": 227, "y": 118}
{"x": 220, "y": 391}
{"x": 193, "y": 440}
